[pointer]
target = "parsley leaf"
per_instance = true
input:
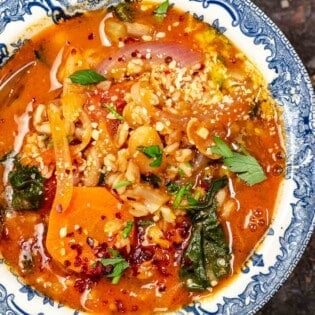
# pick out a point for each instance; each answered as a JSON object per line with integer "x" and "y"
{"x": 154, "y": 152}
{"x": 86, "y": 76}
{"x": 162, "y": 9}
{"x": 245, "y": 166}
{"x": 221, "y": 148}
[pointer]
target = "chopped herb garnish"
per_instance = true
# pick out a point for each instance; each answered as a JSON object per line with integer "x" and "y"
{"x": 172, "y": 187}
{"x": 121, "y": 184}
{"x": 154, "y": 152}
{"x": 86, "y": 76}
{"x": 181, "y": 193}
{"x": 127, "y": 230}
{"x": 145, "y": 222}
{"x": 162, "y": 9}
{"x": 119, "y": 265}
{"x": 245, "y": 166}
{"x": 113, "y": 111}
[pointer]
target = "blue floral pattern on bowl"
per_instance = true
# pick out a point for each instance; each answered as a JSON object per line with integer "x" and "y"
{"x": 265, "y": 270}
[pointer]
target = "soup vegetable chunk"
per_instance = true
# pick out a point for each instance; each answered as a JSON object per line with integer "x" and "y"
{"x": 141, "y": 157}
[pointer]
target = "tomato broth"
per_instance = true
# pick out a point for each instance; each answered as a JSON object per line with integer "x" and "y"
{"x": 141, "y": 160}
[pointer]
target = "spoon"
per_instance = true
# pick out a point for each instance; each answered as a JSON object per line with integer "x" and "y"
{"x": 9, "y": 88}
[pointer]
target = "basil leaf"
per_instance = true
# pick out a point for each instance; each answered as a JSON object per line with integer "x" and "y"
{"x": 86, "y": 76}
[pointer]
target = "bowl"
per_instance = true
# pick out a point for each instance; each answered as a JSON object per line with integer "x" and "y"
{"x": 256, "y": 35}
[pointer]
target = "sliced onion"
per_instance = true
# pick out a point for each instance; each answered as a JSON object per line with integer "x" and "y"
{"x": 151, "y": 52}
{"x": 104, "y": 38}
{"x": 54, "y": 82}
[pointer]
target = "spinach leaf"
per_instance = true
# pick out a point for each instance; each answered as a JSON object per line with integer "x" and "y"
{"x": 124, "y": 12}
{"x": 207, "y": 257}
{"x": 27, "y": 185}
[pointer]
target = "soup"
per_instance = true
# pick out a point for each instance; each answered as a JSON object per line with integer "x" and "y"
{"x": 141, "y": 160}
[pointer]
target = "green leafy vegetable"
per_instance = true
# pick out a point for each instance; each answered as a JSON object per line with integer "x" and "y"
{"x": 121, "y": 184}
{"x": 113, "y": 111}
{"x": 86, "y": 76}
{"x": 245, "y": 166}
{"x": 180, "y": 194}
{"x": 127, "y": 230}
{"x": 162, "y": 9}
{"x": 207, "y": 257}
{"x": 154, "y": 152}
{"x": 119, "y": 265}
{"x": 172, "y": 187}
{"x": 27, "y": 185}
{"x": 125, "y": 12}
{"x": 145, "y": 222}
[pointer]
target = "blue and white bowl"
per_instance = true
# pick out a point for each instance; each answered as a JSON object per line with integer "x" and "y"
{"x": 252, "y": 31}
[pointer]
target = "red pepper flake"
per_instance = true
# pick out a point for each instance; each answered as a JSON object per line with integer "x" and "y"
{"x": 135, "y": 53}
{"x": 121, "y": 59}
{"x": 134, "y": 308}
{"x": 118, "y": 215}
{"x": 168, "y": 59}
{"x": 120, "y": 306}
{"x": 67, "y": 263}
{"x": 91, "y": 36}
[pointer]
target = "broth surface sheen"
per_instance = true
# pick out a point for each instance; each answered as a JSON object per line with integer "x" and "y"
{"x": 141, "y": 160}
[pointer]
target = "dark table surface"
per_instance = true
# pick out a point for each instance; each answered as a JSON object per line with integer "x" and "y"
{"x": 296, "y": 18}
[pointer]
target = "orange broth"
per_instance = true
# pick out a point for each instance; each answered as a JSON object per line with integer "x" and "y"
{"x": 245, "y": 213}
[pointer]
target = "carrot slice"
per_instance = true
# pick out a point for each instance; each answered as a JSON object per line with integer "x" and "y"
{"x": 94, "y": 220}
